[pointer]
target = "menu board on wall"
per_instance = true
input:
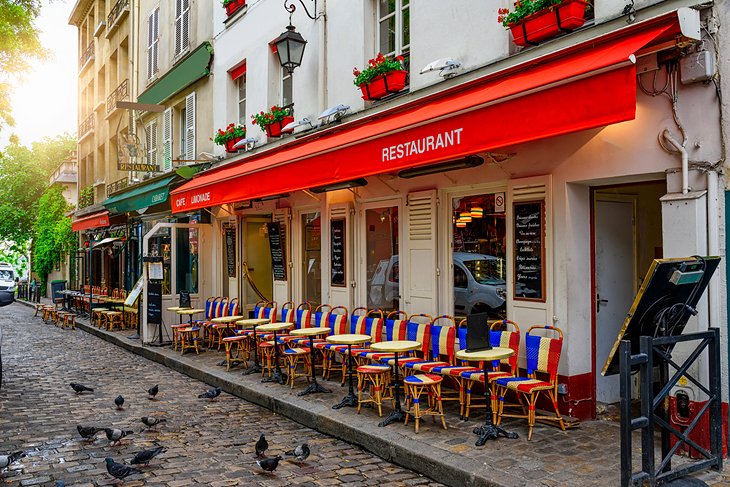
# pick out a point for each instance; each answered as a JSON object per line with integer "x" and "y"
{"x": 337, "y": 264}
{"x": 231, "y": 251}
{"x": 154, "y": 302}
{"x": 276, "y": 245}
{"x": 528, "y": 267}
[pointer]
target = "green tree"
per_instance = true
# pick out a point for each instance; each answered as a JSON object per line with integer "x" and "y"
{"x": 54, "y": 237}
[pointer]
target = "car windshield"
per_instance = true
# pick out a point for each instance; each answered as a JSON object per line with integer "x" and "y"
{"x": 487, "y": 271}
{"x": 6, "y": 275}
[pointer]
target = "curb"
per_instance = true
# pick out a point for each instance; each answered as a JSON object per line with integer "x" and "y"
{"x": 448, "y": 468}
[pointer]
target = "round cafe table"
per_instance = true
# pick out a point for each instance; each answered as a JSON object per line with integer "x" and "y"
{"x": 189, "y": 312}
{"x": 222, "y": 320}
{"x": 350, "y": 400}
{"x": 313, "y": 386}
{"x": 183, "y": 330}
{"x": 253, "y": 323}
{"x": 395, "y": 347}
{"x": 278, "y": 375}
{"x": 488, "y": 431}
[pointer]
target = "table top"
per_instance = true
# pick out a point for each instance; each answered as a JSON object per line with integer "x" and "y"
{"x": 226, "y": 319}
{"x": 112, "y": 300}
{"x": 253, "y": 321}
{"x": 396, "y": 346}
{"x": 175, "y": 308}
{"x": 349, "y": 339}
{"x": 190, "y": 311}
{"x": 275, "y": 327}
{"x": 312, "y": 331}
{"x": 495, "y": 353}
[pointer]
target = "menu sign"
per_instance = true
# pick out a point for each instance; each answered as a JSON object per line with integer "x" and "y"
{"x": 337, "y": 261}
{"x": 276, "y": 245}
{"x": 154, "y": 302}
{"x": 529, "y": 250}
{"x": 231, "y": 251}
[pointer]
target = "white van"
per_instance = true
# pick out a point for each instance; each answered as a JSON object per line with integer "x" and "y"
{"x": 7, "y": 277}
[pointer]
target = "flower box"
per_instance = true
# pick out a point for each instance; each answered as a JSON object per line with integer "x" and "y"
{"x": 274, "y": 129}
{"x": 382, "y": 86}
{"x": 230, "y": 143}
{"x": 233, "y": 6}
{"x": 549, "y": 22}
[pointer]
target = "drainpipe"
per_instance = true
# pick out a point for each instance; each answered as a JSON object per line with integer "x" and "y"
{"x": 322, "y": 69}
{"x": 713, "y": 243}
{"x": 685, "y": 159}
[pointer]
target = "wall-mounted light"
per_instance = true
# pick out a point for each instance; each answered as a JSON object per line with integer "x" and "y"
{"x": 460, "y": 224}
{"x": 465, "y": 216}
{"x": 467, "y": 162}
{"x": 342, "y": 185}
{"x": 476, "y": 212}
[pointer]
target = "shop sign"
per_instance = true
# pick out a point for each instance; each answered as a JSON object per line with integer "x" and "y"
{"x": 276, "y": 245}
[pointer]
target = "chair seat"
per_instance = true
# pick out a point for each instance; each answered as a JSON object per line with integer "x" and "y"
{"x": 296, "y": 351}
{"x": 524, "y": 384}
{"x": 372, "y": 369}
{"x": 454, "y": 370}
{"x": 237, "y": 338}
{"x": 426, "y": 366}
{"x": 478, "y": 375}
{"x": 376, "y": 356}
{"x": 423, "y": 379}
{"x": 402, "y": 361}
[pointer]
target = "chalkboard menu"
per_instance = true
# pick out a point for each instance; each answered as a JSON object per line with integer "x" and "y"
{"x": 337, "y": 264}
{"x": 231, "y": 251}
{"x": 154, "y": 302}
{"x": 184, "y": 299}
{"x": 276, "y": 244}
{"x": 529, "y": 250}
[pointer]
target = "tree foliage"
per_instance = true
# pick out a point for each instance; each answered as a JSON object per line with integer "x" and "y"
{"x": 54, "y": 236}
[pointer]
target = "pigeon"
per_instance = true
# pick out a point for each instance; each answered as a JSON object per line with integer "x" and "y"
{"x": 88, "y": 432}
{"x": 261, "y": 446}
{"x": 152, "y": 391}
{"x": 79, "y": 388}
{"x": 151, "y": 421}
{"x": 114, "y": 435}
{"x": 119, "y": 401}
{"x": 118, "y": 470}
{"x": 211, "y": 394}
{"x": 269, "y": 464}
{"x": 146, "y": 455}
{"x": 6, "y": 460}
{"x": 301, "y": 452}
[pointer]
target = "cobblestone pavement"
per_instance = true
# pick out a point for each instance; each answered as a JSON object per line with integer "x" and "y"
{"x": 208, "y": 443}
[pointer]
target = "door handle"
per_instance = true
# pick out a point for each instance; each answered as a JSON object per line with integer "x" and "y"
{"x": 599, "y": 302}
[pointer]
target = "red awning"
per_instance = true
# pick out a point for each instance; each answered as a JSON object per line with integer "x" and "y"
{"x": 97, "y": 220}
{"x": 591, "y": 86}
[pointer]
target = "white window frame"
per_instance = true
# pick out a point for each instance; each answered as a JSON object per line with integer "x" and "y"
{"x": 153, "y": 43}
{"x": 241, "y": 96}
{"x": 151, "y": 142}
{"x": 182, "y": 27}
{"x": 285, "y": 75}
{"x": 189, "y": 127}
{"x": 400, "y": 47}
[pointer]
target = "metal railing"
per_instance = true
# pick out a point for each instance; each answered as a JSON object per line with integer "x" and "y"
{"x": 87, "y": 56}
{"x": 117, "y": 186}
{"x": 116, "y": 12}
{"x": 65, "y": 169}
{"x": 87, "y": 125}
{"x": 121, "y": 92}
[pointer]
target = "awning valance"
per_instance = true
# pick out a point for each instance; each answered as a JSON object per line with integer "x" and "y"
{"x": 97, "y": 220}
{"x": 106, "y": 241}
{"x": 590, "y": 86}
{"x": 141, "y": 196}
{"x": 191, "y": 69}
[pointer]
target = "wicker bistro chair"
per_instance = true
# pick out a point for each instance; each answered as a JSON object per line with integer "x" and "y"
{"x": 376, "y": 379}
{"x": 418, "y": 328}
{"x": 295, "y": 353}
{"x": 415, "y": 386}
{"x": 394, "y": 328}
{"x": 222, "y": 331}
{"x": 369, "y": 323}
{"x": 543, "y": 356}
{"x": 337, "y": 321}
{"x": 208, "y": 315}
{"x": 505, "y": 334}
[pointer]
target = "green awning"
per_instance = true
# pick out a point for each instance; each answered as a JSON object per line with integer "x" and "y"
{"x": 141, "y": 196}
{"x": 191, "y": 69}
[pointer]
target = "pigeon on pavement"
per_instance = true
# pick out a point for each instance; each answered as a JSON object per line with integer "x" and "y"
{"x": 88, "y": 432}
{"x": 79, "y": 388}
{"x": 211, "y": 394}
{"x": 6, "y": 460}
{"x": 152, "y": 421}
{"x": 152, "y": 391}
{"x": 261, "y": 446}
{"x": 119, "y": 401}
{"x": 269, "y": 464}
{"x": 146, "y": 455}
{"x": 301, "y": 452}
{"x": 114, "y": 435}
{"x": 118, "y": 470}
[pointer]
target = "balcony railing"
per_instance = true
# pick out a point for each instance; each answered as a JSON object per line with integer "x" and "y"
{"x": 115, "y": 14}
{"x": 65, "y": 173}
{"x": 121, "y": 92}
{"x": 87, "y": 56}
{"x": 117, "y": 186}
{"x": 87, "y": 125}
{"x": 86, "y": 197}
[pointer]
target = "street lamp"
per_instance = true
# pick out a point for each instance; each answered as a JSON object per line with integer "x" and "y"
{"x": 290, "y": 48}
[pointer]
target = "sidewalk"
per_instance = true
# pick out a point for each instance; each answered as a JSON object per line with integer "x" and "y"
{"x": 583, "y": 456}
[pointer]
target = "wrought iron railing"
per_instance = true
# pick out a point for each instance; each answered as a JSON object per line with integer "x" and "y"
{"x": 117, "y": 186}
{"x": 116, "y": 12}
{"x": 121, "y": 92}
{"x": 86, "y": 197}
{"x": 87, "y": 125}
{"x": 87, "y": 56}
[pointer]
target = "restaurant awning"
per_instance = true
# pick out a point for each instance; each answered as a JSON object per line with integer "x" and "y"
{"x": 589, "y": 85}
{"x": 188, "y": 71}
{"x": 106, "y": 241}
{"x": 141, "y": 196}
{"x": 97, "y": 220}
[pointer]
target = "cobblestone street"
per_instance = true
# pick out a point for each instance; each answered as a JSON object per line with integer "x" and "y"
{"x": 209, "y": 443}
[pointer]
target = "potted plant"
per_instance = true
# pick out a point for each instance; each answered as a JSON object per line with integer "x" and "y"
{"x": 273, "y": 120}
{"x": 232, "y": 6}
{"x": 232, "y": 134}
{"x": 382, "y": 76}
{"x": 533, "y": 21}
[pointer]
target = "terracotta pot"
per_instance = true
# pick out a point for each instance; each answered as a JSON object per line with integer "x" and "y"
{"x": 274, "y": 129}
{"x": 548, "y": 23}
{"x": 382, "y": 86}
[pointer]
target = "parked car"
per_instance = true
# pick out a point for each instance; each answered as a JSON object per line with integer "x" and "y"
{"x": 7, "y": 277}
{"x": 6, "y": 298}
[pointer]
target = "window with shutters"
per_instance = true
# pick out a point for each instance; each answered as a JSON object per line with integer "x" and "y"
{"x": 153, "y": 42}
{"x": 394, "y": 21}
{"x": 151, "y": 142}
{"x": 287, "y": 88}
{"x": 187, "y": 128}
{"x": 182, "y": 26}
{"x": 241, "y": 85}
{"x": 167, "y": 140}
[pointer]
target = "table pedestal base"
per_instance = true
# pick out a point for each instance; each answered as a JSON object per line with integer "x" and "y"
{"x": 492, "y": 432}
{"x": 395, "y": 416}
{"x": 312, "y": 388}
{"x": 349, "y": 401}
{"x": 277, "y": 376}
{"x": 256, "y": 368}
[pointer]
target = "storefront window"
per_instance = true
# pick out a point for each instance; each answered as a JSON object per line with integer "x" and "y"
{"x": 479, "y": 232}
{"x": 187, "y": 260}
{"x": 383, "y": 280}
{"x": 312, "y": 261}
{"x": 160, "y": 245}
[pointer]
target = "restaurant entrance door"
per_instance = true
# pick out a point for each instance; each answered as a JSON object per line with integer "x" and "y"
{"x": 258, "y": 278}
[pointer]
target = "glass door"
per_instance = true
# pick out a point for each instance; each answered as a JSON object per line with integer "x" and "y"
{"x": 312, "y": 257}
{"x": 258, "y": 277}
{"x": 381, "y": 258}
